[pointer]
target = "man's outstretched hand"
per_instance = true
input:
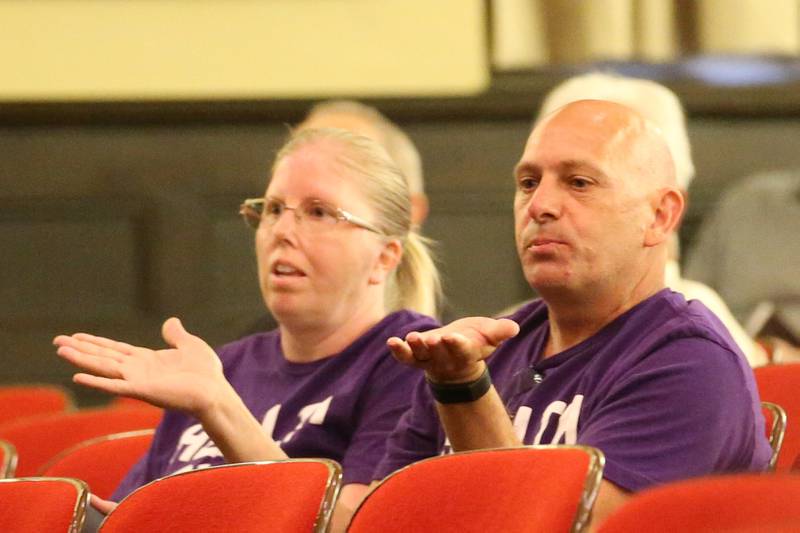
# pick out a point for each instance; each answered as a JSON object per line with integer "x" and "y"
{"x": 453, "y": 353}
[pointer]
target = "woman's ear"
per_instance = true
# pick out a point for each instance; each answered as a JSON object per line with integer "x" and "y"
{"x": 390, "y": 256}
{"x": 667, "y": 206}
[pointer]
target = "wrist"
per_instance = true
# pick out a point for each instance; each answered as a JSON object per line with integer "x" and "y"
{"x": 462, "y": 376}
{"x": 461, "y": 392}
{"x": 221, "y": 403}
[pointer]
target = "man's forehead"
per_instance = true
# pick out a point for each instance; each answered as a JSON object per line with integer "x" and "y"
{"x": 600, "y": 117}
{"x": 585, "y": 125}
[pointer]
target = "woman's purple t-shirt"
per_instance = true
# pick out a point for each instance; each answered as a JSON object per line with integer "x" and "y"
{"x": 341, "y": 407}
{"x": 662, "y": 390}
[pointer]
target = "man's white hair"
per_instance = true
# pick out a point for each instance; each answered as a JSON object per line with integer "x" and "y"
{"x": 652, "y": 100}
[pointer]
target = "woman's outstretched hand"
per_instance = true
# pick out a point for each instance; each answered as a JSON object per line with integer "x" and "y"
{"x": 188, "y": 376}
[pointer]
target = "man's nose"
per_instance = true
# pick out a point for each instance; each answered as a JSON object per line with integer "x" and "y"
{"x": 545, "y": 201}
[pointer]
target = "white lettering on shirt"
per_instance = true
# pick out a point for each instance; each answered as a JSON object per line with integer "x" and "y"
{"x": 310, "y": 414}
{"x": 194, "y": 444}
{"x": 270, "y": 419}
{"x": 567, "y": 422}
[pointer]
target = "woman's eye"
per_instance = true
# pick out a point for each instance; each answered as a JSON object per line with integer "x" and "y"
{"x": 273, "y": 208}
{"x": 317, "y": 211}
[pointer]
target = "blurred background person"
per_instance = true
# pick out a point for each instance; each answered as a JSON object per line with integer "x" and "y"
{"x": 748, "y": 249}
{"x": 368, "y": 121}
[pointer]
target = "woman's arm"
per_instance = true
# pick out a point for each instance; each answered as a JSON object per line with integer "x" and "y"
{"x": 187, "y": 377}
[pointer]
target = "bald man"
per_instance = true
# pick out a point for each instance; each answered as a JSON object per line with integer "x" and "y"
{"x": 608, "y": 357}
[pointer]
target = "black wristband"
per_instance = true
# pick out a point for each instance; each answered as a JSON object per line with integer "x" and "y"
{"x": 461, "y": 392}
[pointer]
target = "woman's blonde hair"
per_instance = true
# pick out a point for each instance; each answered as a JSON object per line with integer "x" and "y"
{"x": 415, "y": 283}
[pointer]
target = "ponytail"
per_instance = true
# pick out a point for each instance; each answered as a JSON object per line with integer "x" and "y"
{"x": 417, "y": 285}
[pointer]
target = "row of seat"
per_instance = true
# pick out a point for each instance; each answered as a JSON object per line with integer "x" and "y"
{"x": 777, "y": 383}
{"x": 486, "y": 490}
{"x": 38, "y": 439}
{"x": 76, "y": 444}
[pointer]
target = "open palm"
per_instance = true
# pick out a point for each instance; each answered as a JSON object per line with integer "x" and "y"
{"x": 453, "y": 352}
{"x": 186, "y": 376}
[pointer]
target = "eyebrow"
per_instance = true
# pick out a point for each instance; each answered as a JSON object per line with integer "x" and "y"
{"x": 525, "y": 167}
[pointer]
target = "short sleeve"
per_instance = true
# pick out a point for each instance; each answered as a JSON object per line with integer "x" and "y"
{"x": 417, "y": 436}
{"x": 682, "y": 411}
{"x": 386, "y": 396}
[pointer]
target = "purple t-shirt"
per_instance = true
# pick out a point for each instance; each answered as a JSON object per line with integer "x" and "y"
{"x": 662, "y": 390}
{"x": 341, "y": 407}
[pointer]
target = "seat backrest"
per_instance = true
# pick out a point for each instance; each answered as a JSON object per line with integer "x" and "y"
{"x": 529, "y": 488}
{"x": 38, "y": 439}
{"x": 124, "y": 401}
{"x": 779, "y": 384}
{"x": 20, "y": 401}
{"x": 775, "y": 424}
{"x": 745, "y": 503}
{"x": 8, "y": 459}
{"x": 295, "y": 495}
{"x": 42, "y": 504}
{"x": 101, "y": 462}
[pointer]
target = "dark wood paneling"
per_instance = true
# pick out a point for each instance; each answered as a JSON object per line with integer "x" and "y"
{"x": 111, "y": 226}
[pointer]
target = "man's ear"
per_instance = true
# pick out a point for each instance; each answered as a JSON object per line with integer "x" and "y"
{"x": 667, "y": 205}
{"x": 390, "y": 256}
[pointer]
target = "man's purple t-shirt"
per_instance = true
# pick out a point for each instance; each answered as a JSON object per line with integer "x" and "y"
{"x": 341, "y": 407}
{"x": 662, "y": 391}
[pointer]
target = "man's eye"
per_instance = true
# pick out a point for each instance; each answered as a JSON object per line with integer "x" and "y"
{"x": 580, "y": 183}
{"x": 527, "y": 184}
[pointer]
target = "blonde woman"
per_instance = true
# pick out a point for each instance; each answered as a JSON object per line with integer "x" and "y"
{"x": 342, "y": 270}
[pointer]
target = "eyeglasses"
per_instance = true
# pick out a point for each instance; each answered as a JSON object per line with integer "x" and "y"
{"x": 312, "y": 213}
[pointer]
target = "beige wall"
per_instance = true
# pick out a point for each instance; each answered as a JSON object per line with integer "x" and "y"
{"x": 217, "y": 49}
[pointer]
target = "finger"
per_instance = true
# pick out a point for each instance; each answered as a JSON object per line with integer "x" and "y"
{"x": 457, "y": 343}
{"x": 499, "y": 330}
{"x": 419, "y": 346}
{"x": 122, "y": 347}
{"x": 117, "y": 387}
{"x": 176, "y": 335}
{"x": 88, "y": 347}
{"x": 104, "y": 506}
{"x": 102, "y": 366}
{"x": 400, "y": 349}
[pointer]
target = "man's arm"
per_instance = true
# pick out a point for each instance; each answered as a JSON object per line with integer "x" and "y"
{"x": 453, "y": 356}
{"x": 609, "y": 498}
{"x": 483, "y": 423}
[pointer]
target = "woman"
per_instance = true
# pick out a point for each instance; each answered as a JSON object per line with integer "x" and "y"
{"x": 337, "y": 260}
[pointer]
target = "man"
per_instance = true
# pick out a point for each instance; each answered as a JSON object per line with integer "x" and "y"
{"x": 662, "y": 107}
{"x": 608, "y": 357}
